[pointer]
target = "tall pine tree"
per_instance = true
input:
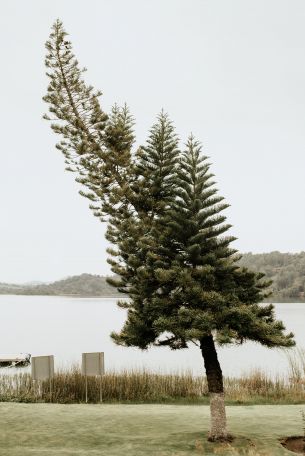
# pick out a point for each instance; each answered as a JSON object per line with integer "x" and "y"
{"x": 200, "y": 294}
{"x": 166, "y": 225}
{"x": 156, "y": 167}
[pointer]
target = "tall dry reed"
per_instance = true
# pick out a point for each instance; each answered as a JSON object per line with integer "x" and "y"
{"x": 68, "y": 386}
{"x": 125, "y": 386}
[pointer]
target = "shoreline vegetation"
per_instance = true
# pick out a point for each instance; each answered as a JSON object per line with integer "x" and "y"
{"x": 144, "y": 386}
{"x": 286, "y": 270}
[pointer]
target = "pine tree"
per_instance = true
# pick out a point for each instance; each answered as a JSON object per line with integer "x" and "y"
{"x": 156, "y": 167}
{"x": 200, "y": 294}
{"x": 166, "y": 225}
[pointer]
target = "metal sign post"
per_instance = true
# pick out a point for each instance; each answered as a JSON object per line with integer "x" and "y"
{"x": 43, "y": 369}
{"x": 86, "y": 388}
{"x": 93, "y": 365}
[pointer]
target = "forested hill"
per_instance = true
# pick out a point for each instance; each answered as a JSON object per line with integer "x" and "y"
{"x": 286, "y": 270}
{"x": 81, "y": 285}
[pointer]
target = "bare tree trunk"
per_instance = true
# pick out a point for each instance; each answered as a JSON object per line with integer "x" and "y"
{"x": 218, "y": 430}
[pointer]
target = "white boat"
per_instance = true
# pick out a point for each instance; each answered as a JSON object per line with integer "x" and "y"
{"x": 15, "y": 360}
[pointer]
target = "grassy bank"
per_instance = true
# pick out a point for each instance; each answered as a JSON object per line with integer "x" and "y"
{"x": 149, "y": 387}
{"x": 68, "y": 387}
{"x": 138, "y": 430}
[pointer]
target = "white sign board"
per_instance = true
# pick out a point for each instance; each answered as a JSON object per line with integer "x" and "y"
{"x": 93, "y": 363}
{"x": 42, "y": 367}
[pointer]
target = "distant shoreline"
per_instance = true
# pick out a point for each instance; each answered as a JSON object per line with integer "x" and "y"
{"x": 285, "y": 271}
{"x": 75, "y": 295}
{"x": 66, "y": 295}
{"x": 84, "y": 285}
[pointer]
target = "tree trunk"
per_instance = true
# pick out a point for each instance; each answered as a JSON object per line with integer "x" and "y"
{"x": 218, "y": 430}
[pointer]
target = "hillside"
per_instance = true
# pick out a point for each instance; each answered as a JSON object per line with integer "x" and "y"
{"x": 81, "y": 285}
{"x": 286, "y": 270}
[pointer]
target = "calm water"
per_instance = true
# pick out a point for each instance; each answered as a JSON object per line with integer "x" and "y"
{"x": 66, "y": 327}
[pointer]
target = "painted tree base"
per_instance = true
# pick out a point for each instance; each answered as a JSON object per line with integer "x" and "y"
{"x": 218, "y": 431}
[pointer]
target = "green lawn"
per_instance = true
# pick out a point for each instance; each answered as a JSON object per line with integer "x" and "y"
{"x": 136, "y": 430}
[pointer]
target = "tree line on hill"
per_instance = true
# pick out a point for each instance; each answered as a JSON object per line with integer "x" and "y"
{"x": 80, "y": 285}
{"x": 286, "y": 270}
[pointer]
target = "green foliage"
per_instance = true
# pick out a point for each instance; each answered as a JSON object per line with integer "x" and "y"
{"x": 95, "y": 146}
{"x": 156, "y": 166}
{"x": 75, "y": 106}
{"x": 191, "y": 283}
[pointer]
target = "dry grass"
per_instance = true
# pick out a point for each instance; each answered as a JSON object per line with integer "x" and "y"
{"x": 259, "y": 388}
{"x": 126, "y": 386}
{"x": 148, "y": 387}
{"x": 296, "y": 359}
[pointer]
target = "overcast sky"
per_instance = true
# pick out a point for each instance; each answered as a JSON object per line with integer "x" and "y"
{"x": 232, "y": 72}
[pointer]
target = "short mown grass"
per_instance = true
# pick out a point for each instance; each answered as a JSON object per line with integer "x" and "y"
{"x": 138, "y": 430}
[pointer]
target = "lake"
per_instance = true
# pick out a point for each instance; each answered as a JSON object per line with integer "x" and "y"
{"x": 67, "y": 326}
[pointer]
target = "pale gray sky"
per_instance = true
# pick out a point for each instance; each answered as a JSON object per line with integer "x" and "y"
{"x": 232, "y": 72}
